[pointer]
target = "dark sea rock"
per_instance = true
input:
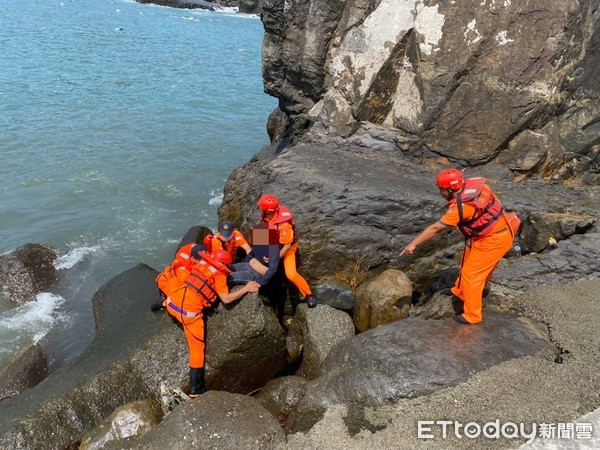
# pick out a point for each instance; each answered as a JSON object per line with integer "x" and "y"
{"x": 410, "y": 358}
{"x": 186, "y": 4}
{"x": 214, "y": 420}
{"x": 336, "y": 295}
{"x": 124, "y": 362}
{"x": 244, "y": 6}
{"x": 374, "y": 203}
{"x": 281, "y": 396}
{"x": 27, "y": 271}
{"x": 26, "y": 369}
{"x": 314, "y": 331}
{"x": 246, "y": 346}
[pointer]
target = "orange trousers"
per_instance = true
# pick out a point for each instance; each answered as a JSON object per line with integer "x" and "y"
{"x": 480, "y": 258}
{"x": 289, "y": 264}
{"x": 194, "y": 332}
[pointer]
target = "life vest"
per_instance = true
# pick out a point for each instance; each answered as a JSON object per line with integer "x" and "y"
{"x": 183, "y": 258}
{"x": 208, "y": 243}
{"x": 283, "y": 215}
{"x": 488, "y": 209}
{"x": 200, "y": 282}
{"x": 174, "y": 274}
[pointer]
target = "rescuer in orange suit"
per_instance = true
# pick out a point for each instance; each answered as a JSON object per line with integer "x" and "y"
{"x": 175, "y": 273}
{"x": 230, "y": 239}
{"x": 205, "y": 284}
{"x": 281, "y": 218}
{"x": 476, "y": 211}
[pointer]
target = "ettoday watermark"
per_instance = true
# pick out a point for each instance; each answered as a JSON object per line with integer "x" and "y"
{"x": 443, "y": 429}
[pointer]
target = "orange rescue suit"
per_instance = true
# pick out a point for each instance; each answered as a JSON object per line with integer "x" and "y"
{"x": 237, "y": 240}
{"x": 174, "y": 274}
{"x": 478, "y": 214}
{"x": 202, "y": 287}
{"x": 284, "y": 223}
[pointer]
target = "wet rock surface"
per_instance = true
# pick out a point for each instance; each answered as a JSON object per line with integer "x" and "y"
{"x": 411, "y": 358}
{"x": 531, "y": 390}
{"x": 26, "y": 370}
{"x": 27, "y": 271}
{"x": 124, "y": 362}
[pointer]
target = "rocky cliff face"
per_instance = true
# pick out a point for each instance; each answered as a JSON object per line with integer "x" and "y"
{"x": 376, "y": 96}
{"x": 475, "y": 81}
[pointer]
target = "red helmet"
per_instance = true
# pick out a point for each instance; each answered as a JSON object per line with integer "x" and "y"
{"x": 450, "y": 179}
{"x": 222, "y": 256}
{"x": 268, "y": 203}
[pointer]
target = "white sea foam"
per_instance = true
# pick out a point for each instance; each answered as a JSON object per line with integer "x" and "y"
{"x": 35, "y": 318}
{"x": 73, "y": 257}
{"x": 216, "y": 198}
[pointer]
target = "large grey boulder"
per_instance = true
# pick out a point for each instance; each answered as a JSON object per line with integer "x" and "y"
{"x": 214, "y": 420}
{"x": 27, "y": 271}
{"x": 315, "y": 331}
{"x": 25, "y": 370}
{"x": 281, "y": 396}
{"x": 384, "y": 299}
{"x": 245, "y": 346}
{"x": 374, "y": 203}
{"x": 539, "y": 227}
{"x": 133, "y": 419}
{"x": 411, "y": 358}
{"x": 351, "y": 216}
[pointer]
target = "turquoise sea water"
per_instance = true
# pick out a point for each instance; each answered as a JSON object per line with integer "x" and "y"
{"x": 119, "y": 124}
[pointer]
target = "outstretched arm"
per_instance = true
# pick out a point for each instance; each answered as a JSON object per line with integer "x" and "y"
{"x": 231, "y": 297}
{"x": 430, "y": 232}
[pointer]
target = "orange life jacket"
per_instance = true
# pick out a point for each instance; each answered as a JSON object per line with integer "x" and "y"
{"x": 283, "y": 215}
{"x": 201, "y": 284}
{"x": 183, "y": 258}
{"x": 208, "y": 242}
{"x": 174, "y": 274}
{"x": 488, "y": 209}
